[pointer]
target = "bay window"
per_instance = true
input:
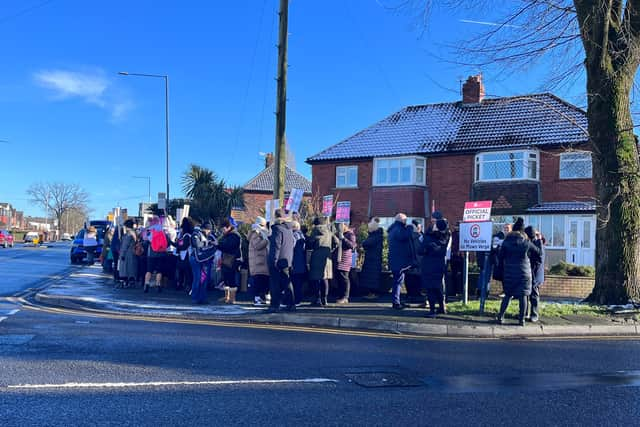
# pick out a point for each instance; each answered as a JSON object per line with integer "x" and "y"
{"x": 507, "y": 165}
{"x": 399, "y": 171}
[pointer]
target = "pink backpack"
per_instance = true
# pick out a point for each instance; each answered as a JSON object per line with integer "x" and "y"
{"x": 158, "y": 241}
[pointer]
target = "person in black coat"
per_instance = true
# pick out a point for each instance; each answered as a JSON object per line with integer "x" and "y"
{"x": 515, "y": 257}
{"x": 371, "y": 274}
{"x": 280, "y": 260}
{"x": 229, "y": 245}
{"x": 402, "y": 255}
{"x": 433, "y": 249}
{"x": 537, "y": 271}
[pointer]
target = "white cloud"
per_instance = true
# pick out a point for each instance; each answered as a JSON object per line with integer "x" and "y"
{"x": 92, "y": 88}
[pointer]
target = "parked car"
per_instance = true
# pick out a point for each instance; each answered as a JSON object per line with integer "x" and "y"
{"x": 65, "y": 237}
{"x": 78, "y": 253}
{"x": 31, "y": 237}
{"x": 6, "y": 239}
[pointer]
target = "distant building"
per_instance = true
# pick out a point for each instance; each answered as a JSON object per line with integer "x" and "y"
{"x": 259, "y": 189}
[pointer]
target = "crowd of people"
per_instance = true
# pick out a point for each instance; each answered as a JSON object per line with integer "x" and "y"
{"x": 284, "y": 256}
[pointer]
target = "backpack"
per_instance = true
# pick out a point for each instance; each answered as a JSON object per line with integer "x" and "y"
{"x": 138, "y": 249}
{"x": 158, "y": 241}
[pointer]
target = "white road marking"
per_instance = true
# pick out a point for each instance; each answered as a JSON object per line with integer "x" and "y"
{"x": 170, "y": 383}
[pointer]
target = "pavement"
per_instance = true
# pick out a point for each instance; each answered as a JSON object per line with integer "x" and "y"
{"x": 90, "y": 289}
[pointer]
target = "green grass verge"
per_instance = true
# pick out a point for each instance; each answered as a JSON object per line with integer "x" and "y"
{"x": 547, "y": 309}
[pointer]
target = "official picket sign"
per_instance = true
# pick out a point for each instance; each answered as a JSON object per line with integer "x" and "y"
{"x": 477, "y": 211}
{"x": 475, "y": 236}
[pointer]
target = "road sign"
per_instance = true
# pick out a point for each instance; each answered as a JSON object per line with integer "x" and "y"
{"x": 477, "y": 211}
{"x": 475, "y": 236}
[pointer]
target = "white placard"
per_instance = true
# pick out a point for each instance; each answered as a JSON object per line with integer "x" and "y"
{"x": 477, "y": 211}
{"x": 475, "y": 236}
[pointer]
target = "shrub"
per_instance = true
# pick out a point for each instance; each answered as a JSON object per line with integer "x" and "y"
{"x": 566, "y": 269}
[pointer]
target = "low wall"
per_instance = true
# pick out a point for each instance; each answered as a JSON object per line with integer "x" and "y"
{"x": 558, "y": 287}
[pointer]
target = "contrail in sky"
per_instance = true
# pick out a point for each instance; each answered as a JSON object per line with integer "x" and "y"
{"x": 492, "y": 24}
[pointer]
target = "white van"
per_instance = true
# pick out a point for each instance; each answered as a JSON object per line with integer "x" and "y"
{"x": 31, "y": 237}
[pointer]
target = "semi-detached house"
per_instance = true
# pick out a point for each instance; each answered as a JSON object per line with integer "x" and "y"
{"x": 528, "y": 154}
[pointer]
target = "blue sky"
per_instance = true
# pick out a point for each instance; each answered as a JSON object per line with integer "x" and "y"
{"x": 70, "y": 117}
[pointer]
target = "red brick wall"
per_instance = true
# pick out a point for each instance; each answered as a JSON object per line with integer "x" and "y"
{"x": 388, "y": 201}
{"x": 254, "y": 204}
{"x": 323, "y": 182}
{"x": 558, "y": 287}
{"x": 555, "y": 189}
{"x": 450, "y": 179}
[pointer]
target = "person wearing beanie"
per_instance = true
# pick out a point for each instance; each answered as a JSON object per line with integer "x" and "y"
{"x": 433, "y": 249}
{"x": 537, "y": 272}
{"x": 258, "y": 267}
{"x": 515, "y": 257}
{"x": 370, "y": 275}
{"x": 280, "y": 262}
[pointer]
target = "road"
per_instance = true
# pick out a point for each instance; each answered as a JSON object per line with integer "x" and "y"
{"x": 22, "y": 267}
{"x": 62, "y": 368}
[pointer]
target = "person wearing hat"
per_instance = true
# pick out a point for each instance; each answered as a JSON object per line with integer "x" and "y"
{"x": 433, "y": 249}
{"x": 537, "y": 271}
{"x": 229, "y": 245}
{"x": 128, "y": 264}
{"x": 280, "y": 261}
{"x": 258, "y": 267}
{"x": 515, "y": 257}
{"x": 371, "y": 273}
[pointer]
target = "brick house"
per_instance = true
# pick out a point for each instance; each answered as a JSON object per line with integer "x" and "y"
{"x": 259, "y": 189}
{"x": 528, "y": 154}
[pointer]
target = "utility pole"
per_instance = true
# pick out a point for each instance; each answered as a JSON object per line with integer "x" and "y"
{"x": 281, "y": 105}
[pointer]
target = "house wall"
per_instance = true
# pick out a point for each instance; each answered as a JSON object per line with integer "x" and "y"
{"x": 554, "y": 189}
{"x": 450, "y": 183}
{"x": 254, "y": 203}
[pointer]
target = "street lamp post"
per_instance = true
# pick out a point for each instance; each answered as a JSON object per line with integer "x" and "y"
{"x": 148, "y": 178}
{"x": 166, "y": 118}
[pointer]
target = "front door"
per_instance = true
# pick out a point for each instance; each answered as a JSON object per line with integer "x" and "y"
{"x": 581, "y": 236}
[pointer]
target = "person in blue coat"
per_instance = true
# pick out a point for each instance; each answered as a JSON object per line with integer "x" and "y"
{"x": 299, "y": 270}
{"x": 434, "y": 265}
{"x": 537, "y": 271}
{"x": 401, "y": 255}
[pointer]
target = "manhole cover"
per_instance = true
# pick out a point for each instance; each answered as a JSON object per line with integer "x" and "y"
{"x": 15, "y": 339}
{"x": 383, "y": 379}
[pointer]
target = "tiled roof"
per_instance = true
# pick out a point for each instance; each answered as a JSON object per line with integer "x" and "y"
{"x": 563, "y": 207}
{"x": 264, "y": 181}
{"x": 532, "y": 120}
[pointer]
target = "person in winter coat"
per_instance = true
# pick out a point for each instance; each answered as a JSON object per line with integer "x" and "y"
{"x": 412, "y": 280}
{"x": 280, "y": 260}
{"x": 299, "y": 270}
{"x": 370, "y": 276}
{"x": 90, "y": 243}
{"x": 258, "y": 267}
{"x": 128, "y": 264}
{"x": 156, "y": 259}
{"x": 183, "y": 245}
{"x": 115, "y": 244}
{"x": 347, "y": 239}
{"x": 199, "y": 254}
{"x": 229, "y": 245}
{"x": 433, "y": 249}
{"x": 322, "y": 243}
{"x": 537, "y": 271}
{"x": 515, "y": 257}
{"x": 401, "y": 255}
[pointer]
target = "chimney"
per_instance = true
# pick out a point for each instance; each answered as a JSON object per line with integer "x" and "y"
{"x": 473, "y": 90}
{"x": 268, "y": 160}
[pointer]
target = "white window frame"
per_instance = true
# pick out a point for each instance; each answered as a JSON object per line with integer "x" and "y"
{"x": 412, "y": 178}
{"x": 525, "y": 165}
{"x": 564, "y": 156}
{"x": 551, "y": 243}
{"x": 344, "y": 171}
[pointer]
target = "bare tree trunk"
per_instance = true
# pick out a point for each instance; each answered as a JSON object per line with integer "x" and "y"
{"x": 617, "y": 176}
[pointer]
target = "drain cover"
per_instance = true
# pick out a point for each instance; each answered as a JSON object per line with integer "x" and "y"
{"x": 383, "y": 379}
